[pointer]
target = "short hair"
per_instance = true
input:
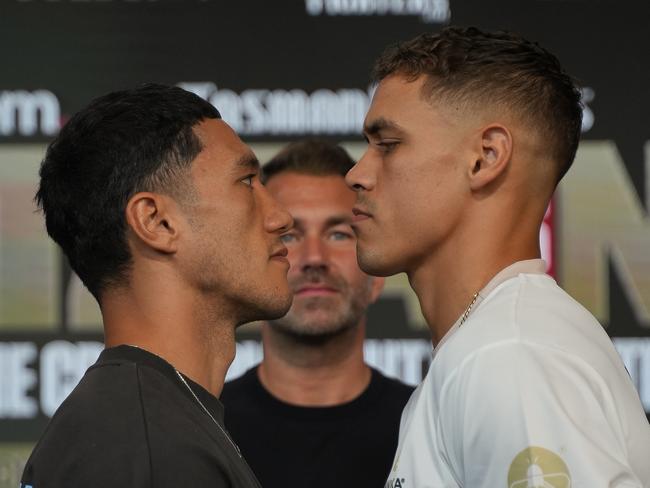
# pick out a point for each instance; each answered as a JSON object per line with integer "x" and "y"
{"x": 120, "y": 144}
{"x": 313, "y": 157}
{"x": 474, "y": 68}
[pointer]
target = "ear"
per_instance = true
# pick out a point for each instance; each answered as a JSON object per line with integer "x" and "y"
{"x": 150, "y": 217}
{"x": 493, "y": 157}
{"x": 377, "y": 286}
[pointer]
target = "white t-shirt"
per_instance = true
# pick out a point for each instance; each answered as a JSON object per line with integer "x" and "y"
{"x": 527, "y": 392}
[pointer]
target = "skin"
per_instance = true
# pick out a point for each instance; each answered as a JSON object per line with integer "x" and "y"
{"x": 448, "y": 194}
{"x": 314, "y": 355}
{"x": 202, "y": 264}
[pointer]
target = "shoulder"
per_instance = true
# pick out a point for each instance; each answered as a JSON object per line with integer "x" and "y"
{"x": 514, "y": 378}
{"x": 533, "y": 307}
{"x": 97, "y": 427}
{"x": 528, "y": 309}
{"x": 106, "y": 392}
{"x": 517, "y": 394}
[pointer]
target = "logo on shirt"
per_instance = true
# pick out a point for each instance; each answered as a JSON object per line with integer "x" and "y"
{"x": 395, "y": 483}
{"x": 536, "y": 467}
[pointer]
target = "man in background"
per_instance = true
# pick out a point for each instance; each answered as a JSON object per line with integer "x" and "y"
{"x": 313, "y": 413}
{"x": 157, "y": 205}
{"x": 469, "y": 133}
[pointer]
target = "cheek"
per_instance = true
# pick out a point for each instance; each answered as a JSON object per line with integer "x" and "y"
{"x": 405, "y": 199}
{"x": 249, "y": 220}
{"x": 422, "y": 204}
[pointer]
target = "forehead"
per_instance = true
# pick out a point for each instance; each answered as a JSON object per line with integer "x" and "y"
{"x": 400, "y": 104}
{"x": 302, "y": 194}
{"x": 223, "y": 150}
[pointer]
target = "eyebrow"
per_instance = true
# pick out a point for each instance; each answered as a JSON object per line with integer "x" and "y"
{"x": 248, "y": 161}
{"x": 338, "y": 219}
{"x": 379, "y": 124}
{"x": 332, "y": 221}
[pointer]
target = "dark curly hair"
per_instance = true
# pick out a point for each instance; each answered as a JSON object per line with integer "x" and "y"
{"x": 472, "y": 68}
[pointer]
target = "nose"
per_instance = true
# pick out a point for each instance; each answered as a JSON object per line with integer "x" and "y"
{"x": 360, "y": 177}
{"x": 277, "y": 220}
{"x": 313, "y": 253}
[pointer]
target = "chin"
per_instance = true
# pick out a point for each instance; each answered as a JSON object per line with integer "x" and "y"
{"x": 269, "y": 305}
{"x": 375, "y": 263}
{"x": 280, "y": 306}
{"x": 305, "y": 330}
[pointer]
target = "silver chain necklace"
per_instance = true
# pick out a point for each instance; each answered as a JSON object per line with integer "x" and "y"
{"x": 189, "y": 388}
{"x": 469, "y": 309}
{"x": 180, "y": 376}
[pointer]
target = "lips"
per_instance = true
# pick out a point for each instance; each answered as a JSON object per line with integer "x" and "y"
{"x": 315, "y": 290}
{"x": 280, "y": 254}
{"x": 360, "y": 215}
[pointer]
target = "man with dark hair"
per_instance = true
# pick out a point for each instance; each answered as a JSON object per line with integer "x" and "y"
{"x": 313, "y": 400}
{"x": 468, "y": 135}
{"x": 157, "y": 204}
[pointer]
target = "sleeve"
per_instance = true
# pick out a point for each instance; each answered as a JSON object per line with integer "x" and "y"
{"x": 523, "y": 416}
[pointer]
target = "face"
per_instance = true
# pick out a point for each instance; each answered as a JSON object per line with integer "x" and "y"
{"x": 330, "y": 292}
{"x": 411, "y": 183}
{"x": 234, "y": 253}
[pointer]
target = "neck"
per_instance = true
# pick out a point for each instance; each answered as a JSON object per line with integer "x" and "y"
{"x": 314, "y": 374}
{"x": 446, "y": 281}
{"x": 173, "y": 323}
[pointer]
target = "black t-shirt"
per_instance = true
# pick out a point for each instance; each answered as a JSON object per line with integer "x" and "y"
{"x": 287, "y": 446}
{"x": 133, "y": 422}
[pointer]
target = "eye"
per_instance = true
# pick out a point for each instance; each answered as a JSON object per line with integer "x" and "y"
{"x": 248, "y": 180}
{"x": 288, "y": 238}
{"x": 387, "y": 145}
{"x": 340, "y": 236}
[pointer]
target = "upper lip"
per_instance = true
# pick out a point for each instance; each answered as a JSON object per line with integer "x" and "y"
{"x": 359, "y": 211}
{"x": 280, "y": 251}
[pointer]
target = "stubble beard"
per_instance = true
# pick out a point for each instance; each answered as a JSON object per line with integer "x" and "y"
{"x": 248, "y": 301}
{"x": 315, "y": 320}
{"x": 373, "y": 262}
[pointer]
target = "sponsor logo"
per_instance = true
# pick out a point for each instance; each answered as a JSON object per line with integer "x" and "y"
{"x": 539, "y": 468}
{"x": 605, "y": 231}
{"x": 287, "y": 112}
{"x": 291, "y": 112}
{"x": 35, "y": 377}
{"x": 25, "y": 113}
{"x": 34, "y": 380}
{"x": 430, "y": 11}
{"x": 395, "y": 483}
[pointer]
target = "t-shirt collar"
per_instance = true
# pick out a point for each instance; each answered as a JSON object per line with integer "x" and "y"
{"x": 528, "y": 266}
